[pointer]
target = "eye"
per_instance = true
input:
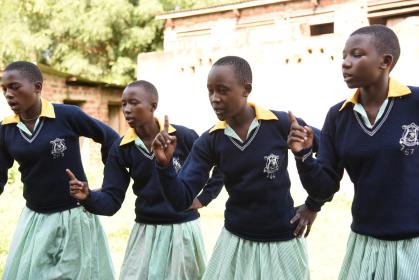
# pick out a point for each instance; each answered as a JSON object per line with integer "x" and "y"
{"x": 222, "y": 90}
{"x": 14, "y": 86}
{"x": 357, "y": 54}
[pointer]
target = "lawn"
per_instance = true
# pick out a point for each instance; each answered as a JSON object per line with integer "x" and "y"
{"x": 326, "y": 243}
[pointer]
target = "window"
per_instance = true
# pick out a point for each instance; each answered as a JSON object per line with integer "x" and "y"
{"x": 115, "y": 116}
{"x": 321, "y": 29}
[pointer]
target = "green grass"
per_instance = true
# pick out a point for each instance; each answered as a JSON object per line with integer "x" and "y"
{"x": 326, "y": 243}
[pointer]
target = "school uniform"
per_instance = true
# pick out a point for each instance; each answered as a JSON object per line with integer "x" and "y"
{"x": 382, "y": 161}
{"x": 164, "y": 243}
{"x": 54, "y": 238}
{"x": 257, "y": 241}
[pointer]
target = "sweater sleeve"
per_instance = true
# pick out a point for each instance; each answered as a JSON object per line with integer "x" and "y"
{"x": 6, "y": 161}
{"x": 215, "y": 183}
{"x": 213, "y": 187}
{"x": 108, "y": 200}
{"x": 92, "y": 128}
{"x": 182, "y": 189}
{"x": 321, "y": 176}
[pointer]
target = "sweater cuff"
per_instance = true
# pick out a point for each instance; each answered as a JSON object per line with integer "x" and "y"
{"x": 89, "y": 201}
{"x": 303, "y": 154}
{"x": 313, "y": 205}
{"x": 204, "y": 198}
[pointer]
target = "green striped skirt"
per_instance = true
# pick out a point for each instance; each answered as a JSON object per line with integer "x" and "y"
{"x": 169, "y": 252}
{"x": 238, "y": 259}
{"x": 65, "y": 245}
{"x": 370, "y": 258}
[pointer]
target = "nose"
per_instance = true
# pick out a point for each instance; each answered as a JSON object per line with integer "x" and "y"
{"x": 214, "y": 98}
{"x": 8, "y": 94}
{"x": 126, "y": 109}
{"x": 346, "y": 63}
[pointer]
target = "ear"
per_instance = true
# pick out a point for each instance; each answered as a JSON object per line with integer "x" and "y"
{"x": 38, "y": 87}
{"x": 153, "y": 106}
{"x": 387, "y": 62}
{"x": 247, "y": 89}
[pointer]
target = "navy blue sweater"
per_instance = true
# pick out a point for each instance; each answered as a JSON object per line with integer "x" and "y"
{"x": 126, "y": 160}
{"x": 44, "y": 156}
{"x": 260, "y": 205}
{"x": 382, "y": 163}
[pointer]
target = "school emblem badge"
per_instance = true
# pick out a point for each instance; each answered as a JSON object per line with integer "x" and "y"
{"x": 271, "y": 166}
{"x": 58, "y": 147}
{"x": 176, "y": 164}
{"x": 409, "y": 138}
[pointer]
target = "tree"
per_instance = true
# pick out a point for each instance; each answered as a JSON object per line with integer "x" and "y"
{"x": 97, "y": 39}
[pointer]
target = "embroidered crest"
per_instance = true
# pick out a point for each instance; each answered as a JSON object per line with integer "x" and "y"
{"x": 58, "y": 147}
{"x": 409, "y": 138}
{"x": 176, "y": 164}
{"x": 271, "y": 166}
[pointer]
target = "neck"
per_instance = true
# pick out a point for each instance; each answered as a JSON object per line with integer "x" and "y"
{"x": 148, "y": 130}
{"x": 375, "y": 94}
{"x": 32, "y": 113}
{"x": 243, "y": 118}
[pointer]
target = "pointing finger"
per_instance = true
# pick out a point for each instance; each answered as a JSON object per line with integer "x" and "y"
{"x": 166, "y": 123}
{"x": 70, "y": 174}
{"x": 292, "y": 118}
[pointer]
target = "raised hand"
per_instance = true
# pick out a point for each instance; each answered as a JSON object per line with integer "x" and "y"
{"x": 305, "y": 219}
{"x": 78, "y": 189}
{"x": 164, "y": 145}
{"x": 299, "y": 137}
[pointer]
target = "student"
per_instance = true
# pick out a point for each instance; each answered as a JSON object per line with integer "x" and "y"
{"x": 54, "y": 238}
{"x": 373, "y": 135}
{"x": 249, "y": 145}
{"x": 164, "y": 244}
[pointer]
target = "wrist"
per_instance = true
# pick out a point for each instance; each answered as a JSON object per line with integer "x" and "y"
{"x": 303, "y": 154}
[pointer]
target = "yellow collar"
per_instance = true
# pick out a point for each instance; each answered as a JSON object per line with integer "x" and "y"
{"x": 261, "y": 114}
{"x": 47, "y": 111}
{"x": 395, "y": 89}
{"x": 131, "y": 135}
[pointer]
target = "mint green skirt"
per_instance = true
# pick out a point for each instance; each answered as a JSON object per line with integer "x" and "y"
{"x": 65, "y": 245}
{"x": 235, "y": 258}
{"x": 164, "y": 252}
{"x": 369, "y": 258}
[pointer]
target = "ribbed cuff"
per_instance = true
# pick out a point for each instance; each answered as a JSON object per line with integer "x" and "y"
{"x": 204, "y": 198}
{"x": 303, "y": 154}
{"x": 313, "y": 204}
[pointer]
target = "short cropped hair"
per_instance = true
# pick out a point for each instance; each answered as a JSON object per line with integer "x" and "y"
{"x": 29, "y": 70}
{"x": 147, "y": 86}
{"x": 386, "y": 41}
{"x": 241, "y": 67}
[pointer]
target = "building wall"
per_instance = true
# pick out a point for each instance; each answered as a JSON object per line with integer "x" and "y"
{"x": 293, "y": 68}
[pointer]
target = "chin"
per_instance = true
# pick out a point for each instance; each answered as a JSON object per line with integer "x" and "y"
{"x": 352, "y": 85}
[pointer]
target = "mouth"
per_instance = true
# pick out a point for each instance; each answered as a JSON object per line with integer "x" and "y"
{"x": 130, "y": 120}
{"x": 218, "y": 111}
{"x": 13, "y": 105}
{"x": 347, "y": 77}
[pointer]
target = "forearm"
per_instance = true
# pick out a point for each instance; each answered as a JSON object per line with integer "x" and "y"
{"x": 316, "y": 180}
{"x": 175, "y": 191}
{"x": 102, "y": 203}
{"x": 212, "y": 188}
